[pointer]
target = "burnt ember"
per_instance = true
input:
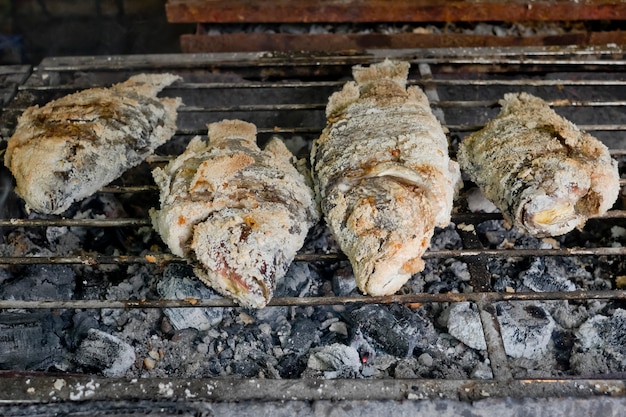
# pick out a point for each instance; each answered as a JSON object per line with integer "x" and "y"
{"x": 491, "y": 302}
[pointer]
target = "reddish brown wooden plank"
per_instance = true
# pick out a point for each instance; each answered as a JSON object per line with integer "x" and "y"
{"x": 282, "y": 42}
{"x": 304, "y": 11}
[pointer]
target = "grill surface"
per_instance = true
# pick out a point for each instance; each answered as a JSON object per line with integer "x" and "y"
{"x": 286, "y": 95}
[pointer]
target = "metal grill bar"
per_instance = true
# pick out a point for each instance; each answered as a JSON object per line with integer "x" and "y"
{"x": 317, "y": 84}
{"x": 109, "y": 222}
{"x": 587, "y": 127}
{"x": 477, "y": 297}
{"x": 166, "y": 258}
{"x": 556, "y": 103}
{"x": 451, "y": 127}
{"x": 434, "y": 103}
{"x": 482, "y": 56}
{"x": 30, "y": 388}
{"x": 122, "y": 222}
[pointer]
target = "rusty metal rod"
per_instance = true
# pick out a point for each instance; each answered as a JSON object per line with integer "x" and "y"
{"x": 317, "y": 84}
{"x": 587, "y": 127}
{"x": 253, "y": 107}
{"x": 164, "y": 258}
{"x": 480, "y": 56}
{"x": 484, "y": 298}
{"x": 433, "y": 103}
{"x": 108, "y": 222}
{"x": 130, "y": 222}
{"x": 554, "y": 103}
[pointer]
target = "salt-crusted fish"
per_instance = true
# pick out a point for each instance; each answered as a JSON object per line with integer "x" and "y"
{"x": 238, "y": 213}
{"x": 383, "y": 175}
{"x": 545, "y": 174}
{"x": 69, "y": 148}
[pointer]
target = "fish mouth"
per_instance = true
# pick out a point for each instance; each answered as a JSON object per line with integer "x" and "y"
{"x": 549, "y": 216}
{"x": 229, "y": 283}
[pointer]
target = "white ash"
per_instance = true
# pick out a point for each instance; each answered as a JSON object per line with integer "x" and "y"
{"x": 572, "y": 316}
{"x": 618, "y": 232}
{"x": 105, "y": 353}
{"x": 600, "y": 346}
{"x": 334, "y": 361}
{"x": 135, "y": 287}
{"x": 526, "y": 329}
{"x": 464, "y": 323}
{"x": 478, "y": 203}
{"x": 482, "y": 371}
{"x": 546, "y": 275}
{"x": 180, "y": 283}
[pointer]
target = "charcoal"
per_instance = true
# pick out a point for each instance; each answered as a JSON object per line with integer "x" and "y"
{"x": 248, "y": 361}
{"x": 270, "y": 314}
{"x": 497, "y": 235}
{"x": 366, "y": 351}
{"x": 526, "y": 329}
{"x": 82, "y": 322}
{"x": 397, "y": 329}
{"x": 298, "y": 281}
{"x": 464, "y": 324}
{"x": 600, "y": 345}
{"x": 179, "y": 283}
{"x": 343, "y": 282}
{"x": 563, "y": 344}
{"x": 447, "y": 278}
{"x": 41, "y": 282}
{"x": 30, "y": 341}
{"x": 446, "y": 238}
{"x": 105, "y": 353}
{"x": 303, "y": 334}
{"x": 406, "y": 368}
{"x": 334, "y": 361}
{"x": 291, "y": 365}
{"x": 5, "y": 275}
{"x": 246, "y": 368}
{"x": 546, "y": 275}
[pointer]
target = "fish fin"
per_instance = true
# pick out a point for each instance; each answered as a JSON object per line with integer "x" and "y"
{"x": 148, "y": 84}
{"x": 397, "y": 71}
{"x": 232, "y": 129}
{"x": 339, "y": 100}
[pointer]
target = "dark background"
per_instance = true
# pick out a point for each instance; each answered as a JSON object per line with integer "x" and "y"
{"x": 33, "y": 29}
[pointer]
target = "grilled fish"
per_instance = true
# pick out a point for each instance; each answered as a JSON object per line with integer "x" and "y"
{"x": 67, "y": 149}
{"x": 238, "y": 213}
{"x": 545, "y": 175}
{"x": 383, "y": 176}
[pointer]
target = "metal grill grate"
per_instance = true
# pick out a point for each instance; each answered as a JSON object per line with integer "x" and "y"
{"x": 286, "y": 95}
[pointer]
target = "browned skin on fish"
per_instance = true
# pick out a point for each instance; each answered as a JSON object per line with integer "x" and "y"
{"x": 545, "y": 175}
{"x": 68, "y": 149}
{"x": 238, "y": 213}
{"x": 383, "y": 176}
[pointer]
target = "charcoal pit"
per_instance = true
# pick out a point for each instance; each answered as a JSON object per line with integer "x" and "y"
{"x": 94, "y": 308}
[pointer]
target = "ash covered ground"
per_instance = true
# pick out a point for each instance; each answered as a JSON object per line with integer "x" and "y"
{"x": 436, "y": 340}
